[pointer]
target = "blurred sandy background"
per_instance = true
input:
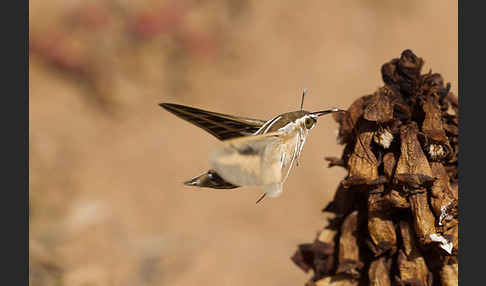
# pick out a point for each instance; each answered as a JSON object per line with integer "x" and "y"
{"x": 107, "y": 204}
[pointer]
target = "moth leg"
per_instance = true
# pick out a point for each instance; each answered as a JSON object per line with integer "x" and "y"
{"x": 261, "y": 198}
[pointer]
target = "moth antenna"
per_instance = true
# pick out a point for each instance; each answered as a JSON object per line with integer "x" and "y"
{"x": 261, "y": 198}
{"x": 302, "y": 101}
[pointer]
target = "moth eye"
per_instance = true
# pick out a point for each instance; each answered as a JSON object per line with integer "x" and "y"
{"x": 309, "y": 123}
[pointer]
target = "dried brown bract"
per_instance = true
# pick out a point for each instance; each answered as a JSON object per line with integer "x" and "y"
{"x": 363, "y": 165}
{"x": 348, "y": 254}
{"x": 423, "y": 219}
{"x": 347, "y": 120}
{"x": 379, "y": 272}
{"x": 413, "y": 170}
{"x": 380, "y": 225}
{"x": 394, "y": 217}
{"x": 411, "y": 264}
{"x": 379, "y": 107}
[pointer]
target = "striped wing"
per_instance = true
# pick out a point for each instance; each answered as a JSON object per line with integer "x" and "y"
{"x": 260, "y": 160}
{"x": 222, "y": 126}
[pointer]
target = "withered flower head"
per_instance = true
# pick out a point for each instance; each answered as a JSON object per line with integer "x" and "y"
{"x": 394, "y": 216}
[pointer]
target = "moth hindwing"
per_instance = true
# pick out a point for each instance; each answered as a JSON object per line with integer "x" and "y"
{"x": 260, "y": 160}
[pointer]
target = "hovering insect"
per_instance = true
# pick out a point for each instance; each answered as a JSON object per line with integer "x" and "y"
{"x": 254, "y": 152}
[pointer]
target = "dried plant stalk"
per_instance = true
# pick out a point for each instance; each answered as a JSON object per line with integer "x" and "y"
{"x": 395, "y": 216}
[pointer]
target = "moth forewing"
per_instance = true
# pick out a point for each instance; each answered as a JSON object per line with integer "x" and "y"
{"x": 222, "y": 126}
